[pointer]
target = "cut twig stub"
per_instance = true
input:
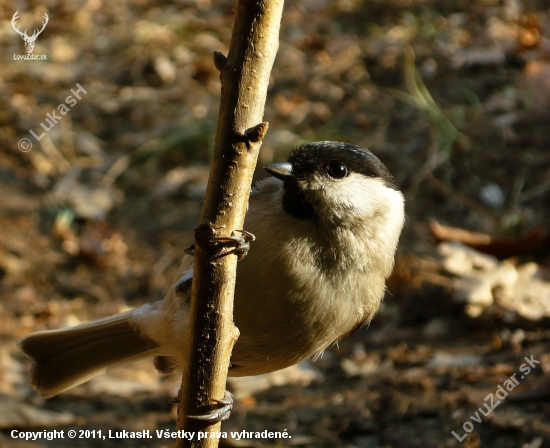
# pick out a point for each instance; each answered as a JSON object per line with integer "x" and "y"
{"x": 219, "y": 60}
{"x": 256, "y": 133}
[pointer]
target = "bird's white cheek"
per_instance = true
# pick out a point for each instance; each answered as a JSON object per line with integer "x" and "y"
{"x": 349, "y": 195}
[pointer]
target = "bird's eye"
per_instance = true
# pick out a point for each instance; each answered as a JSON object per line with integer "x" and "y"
{"x": 337, "y": 170}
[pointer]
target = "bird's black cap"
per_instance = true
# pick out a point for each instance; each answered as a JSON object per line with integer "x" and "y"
{"x": 315, "y": 156}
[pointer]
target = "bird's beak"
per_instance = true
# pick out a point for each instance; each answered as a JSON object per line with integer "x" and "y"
{"x": 281, "y": 170}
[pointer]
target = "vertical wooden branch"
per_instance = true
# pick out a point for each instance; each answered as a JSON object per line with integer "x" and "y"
{"x": 244, "y": 80}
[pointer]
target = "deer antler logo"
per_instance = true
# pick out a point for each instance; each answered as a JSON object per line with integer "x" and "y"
{"x": 29, "y": 40}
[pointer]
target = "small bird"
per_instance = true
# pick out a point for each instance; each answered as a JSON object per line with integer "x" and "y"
{"x": 327, "y": 224}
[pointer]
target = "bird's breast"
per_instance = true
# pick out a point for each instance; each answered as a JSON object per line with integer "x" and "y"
{"x": 294, "y": 297}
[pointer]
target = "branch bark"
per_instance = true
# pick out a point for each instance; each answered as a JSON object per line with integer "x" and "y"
{"x": 244, "y": 80}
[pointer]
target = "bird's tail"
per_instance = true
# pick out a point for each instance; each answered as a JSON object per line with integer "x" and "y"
{"x": 69, "y": 357}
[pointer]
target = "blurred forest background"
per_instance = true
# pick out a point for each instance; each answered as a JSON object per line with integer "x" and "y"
{"x": 453, "y": 95}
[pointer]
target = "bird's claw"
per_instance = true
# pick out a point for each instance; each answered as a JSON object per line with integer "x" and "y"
{"x": 241, "y": 243}
{"x": 217, "y": 415}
